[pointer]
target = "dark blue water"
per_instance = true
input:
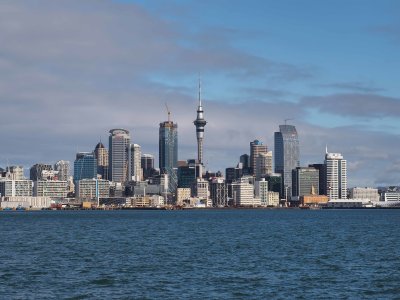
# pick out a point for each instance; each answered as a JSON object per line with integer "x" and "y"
{"x": 252, "y": 254}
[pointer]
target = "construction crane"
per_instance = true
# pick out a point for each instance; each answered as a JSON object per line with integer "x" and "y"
{"x": 169, "y": 113}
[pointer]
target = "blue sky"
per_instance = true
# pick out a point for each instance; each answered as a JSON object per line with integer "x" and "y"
{"x": 72, "y": 70}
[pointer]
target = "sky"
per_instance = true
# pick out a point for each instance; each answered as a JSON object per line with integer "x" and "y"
{"x": 71, "y": 70}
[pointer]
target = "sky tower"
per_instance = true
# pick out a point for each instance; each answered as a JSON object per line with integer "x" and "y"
{"x": 200, "y": 123}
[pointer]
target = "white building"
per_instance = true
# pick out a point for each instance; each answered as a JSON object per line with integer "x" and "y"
{"x": 201, "y": 189}
{"x": 15, "y": 188}
{"x": 243, "y": 193}
{"x": 92, "y": 188}
{"x": 261, "y": 191}
{"x": 27, "y": 202}
{"x": 47, "y": 188}
{"x": 364, "y": 193}
{"x": 273, "y": 199}
{"x": 390, "y": 196}
{"x": 135, "y": 155}
{"x": 336, "y": 176}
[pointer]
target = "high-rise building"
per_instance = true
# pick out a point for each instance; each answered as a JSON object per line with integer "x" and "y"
{"x": 168, "y": 152}
{"x": 101, "y": 155}
{"x": 322, "y": 179}
{"x": 200, "y": 123}
{"x": 35, "y": 172}
{"x": 85, "y": 166}
{"x": 286, "y": 155}
{"x": 336, "y": 175}
{"x": 256, "y": 147}
{"x": 118, "y": 161}
{"x": 135, "y": 166}
{"x": 263, "y": 164}
{"x": 261, "y": 191}
{"x": 305, "y": 181}
{"x": 62, "y": 167}
{"x": 245, "y": 161}
{"x": 147, "y": 165}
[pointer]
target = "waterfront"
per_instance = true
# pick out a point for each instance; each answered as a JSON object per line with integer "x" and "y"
{"x": 200, "y": 254}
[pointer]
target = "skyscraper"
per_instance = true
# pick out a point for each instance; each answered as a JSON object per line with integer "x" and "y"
{"x": 286, "y": 155}
{"x": 200, "y": 123}
{"x": 101, "y": 154}
{"x": 256, "y": 147}
{"x": 168, "y": 151}
{"x": 263, "y": 164}
{"x": 147, "y": 165}
{"x": 118, "y": 160}
{"x": 135, "y": 154}
{"x": 336, "y": 176}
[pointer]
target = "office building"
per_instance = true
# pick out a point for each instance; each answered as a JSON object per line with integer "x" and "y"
{"x": 364, "y": 193}
{"x": 147, "y": 165}
{"x": 55, "y": 189}
{"x": 322, "y": 178}
{"x": 286, "y": 155}
{"x": 336, "y": 176}
{"x": 35, "y": 172}
{"x": 243, "y": 193}
{"x": 15, "y": 188}
{"x": 89, "y": 189}
{"x": 168, "y": 152}
{"x": 244, "y": 160}
{"x": 62, "y": 169}
{"x": 85, "y": 166}
{"x": 135, "y": 166}
{"x": 256, "y": 147}
{"x": 304, "y": 181}
{"x": 261, "y": 191}
{"x": 263, "y": 164}
{"x": 274, "y": 183}
{"x": 118, "y": 159}
{"x": 101, "y": 155}
{"x": 218, "y": 192}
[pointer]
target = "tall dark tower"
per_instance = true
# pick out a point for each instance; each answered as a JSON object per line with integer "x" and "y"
{"x": 200, "y": 123}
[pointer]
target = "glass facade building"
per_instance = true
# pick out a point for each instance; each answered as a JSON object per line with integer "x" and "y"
{"x": 286, "y": 155}
{"x": 85, "y": 166}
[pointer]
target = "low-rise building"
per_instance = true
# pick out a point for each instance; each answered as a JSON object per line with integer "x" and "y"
{"x": 54, "y": 189}
{"x": 15, "y": 188}
{"x": 27, "y": 202}
{"x": 364, "y": 193}
{"x": 182, "y": 194}
{"x": 273, "y": 199}
{"x": 92, "y": 188}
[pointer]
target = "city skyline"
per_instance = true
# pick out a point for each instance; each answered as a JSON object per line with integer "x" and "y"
{"x": 63, "y": 85}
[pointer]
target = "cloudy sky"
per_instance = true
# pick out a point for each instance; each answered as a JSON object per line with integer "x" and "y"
{"x": 70, "y": 70}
